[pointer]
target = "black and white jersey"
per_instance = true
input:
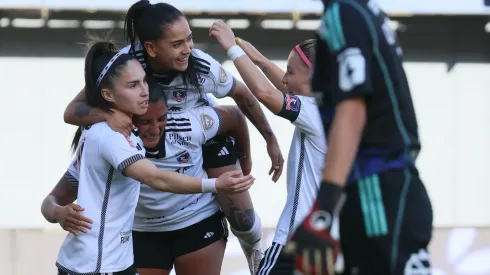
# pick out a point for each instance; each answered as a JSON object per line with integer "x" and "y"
{"x": 305, "y": 162}
{"x": 213, "y": 78}
{"x": 109, "y": 198}
{"x": 181, "y": 152}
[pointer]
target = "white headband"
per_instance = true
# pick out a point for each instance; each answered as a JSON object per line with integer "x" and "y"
{"x": 107, "y": 67}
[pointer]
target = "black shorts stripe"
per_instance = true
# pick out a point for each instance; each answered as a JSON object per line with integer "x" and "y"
{"x": 298, "y": 182}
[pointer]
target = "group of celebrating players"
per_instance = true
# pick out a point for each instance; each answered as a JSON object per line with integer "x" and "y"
{"x": 160, "y": 168}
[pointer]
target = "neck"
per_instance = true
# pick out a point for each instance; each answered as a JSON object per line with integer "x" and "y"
{"x": 155, "y": 67}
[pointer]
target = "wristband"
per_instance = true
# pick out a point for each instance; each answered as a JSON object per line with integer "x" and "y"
{"x": 208, "y": 185}
{"x": 235, "y": 52}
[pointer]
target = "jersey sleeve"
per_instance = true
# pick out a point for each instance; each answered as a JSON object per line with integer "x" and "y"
{"x": 212, "y": 100}
{"x": 209, "y": 120}
{"x": 119, "y": 151}
{"x": 220, "y": 82}
{"x": 303, "y": 113}
{"x": 72, "y": 174}
{"x": 346, "y": 31}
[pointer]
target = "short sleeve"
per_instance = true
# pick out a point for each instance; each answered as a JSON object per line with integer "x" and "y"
{"x": 303, "y": 112}
{"x": 119, "y": 151}
{"x": 212, "y": 100}
{"x": 72, "y": 173}
{"x": 209, "y": 120}
{"x": 346, "y": 31}
{"x": 220, "y": 82}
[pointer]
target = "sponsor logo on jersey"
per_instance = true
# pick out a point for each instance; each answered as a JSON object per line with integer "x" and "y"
{"x": 207, "y": 122}
{"x": 184, "y": 157}
{"x": 176, "y": 139}
{"x": 179, "y": 95}
{"x": 292, "y": 103}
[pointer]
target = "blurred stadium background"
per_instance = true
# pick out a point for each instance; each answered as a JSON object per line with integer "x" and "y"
{"x": 446, "y": 46}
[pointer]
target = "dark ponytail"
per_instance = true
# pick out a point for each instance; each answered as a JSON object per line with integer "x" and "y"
{"x": 98, "y": 57}
{"x": 144, "y": 22}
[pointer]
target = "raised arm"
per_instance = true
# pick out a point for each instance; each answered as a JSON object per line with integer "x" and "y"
{"x": 80, "y": 113}
{"x": 261, "y": 88}
{"x": 269, "y": 68}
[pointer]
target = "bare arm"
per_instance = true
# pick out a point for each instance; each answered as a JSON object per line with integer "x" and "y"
{"x": 272, "y": 98}
{"x": 249, "y": 106}
{"x": 146, "y": 172}
{"x": 62, "y": 194}
{"x": 234, "y": 122}
{"x": 271, "y": 70}
{"x": 344, "y": 139}
{"x": 80, "y": 113}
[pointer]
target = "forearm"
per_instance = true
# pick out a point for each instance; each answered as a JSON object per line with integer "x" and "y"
{"x": 255, "y": 81}
{"x": 272, "y": 72}
{"x": 174, "y": 182}
{"x": 343, "y": 142}
{"x": 250, "y": 107}
{"x": 241, "y": 134}
{"x": 80, "y": 113}
{"x": 49, "y": 207}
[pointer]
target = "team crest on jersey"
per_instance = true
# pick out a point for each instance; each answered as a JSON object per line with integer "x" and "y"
{"x": 179, "y": 94}
{"x": 223, "y": 76}
{"x": 207, "y": 122}
{"x": 184, "y": 157}
{"x": 292, "y": 103}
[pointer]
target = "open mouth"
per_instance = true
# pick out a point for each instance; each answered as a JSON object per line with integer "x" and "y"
{"x": 144, "y": 104}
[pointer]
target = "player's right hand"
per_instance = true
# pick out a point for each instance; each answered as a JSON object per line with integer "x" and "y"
{"x": 120, "y": 122}
{"x": 234, "y": 182}
{"x": 71, "y": 220}
{"x": 250, "y": 50}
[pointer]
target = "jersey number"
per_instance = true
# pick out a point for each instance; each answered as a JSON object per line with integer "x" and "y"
{"x": 352, "y": 69}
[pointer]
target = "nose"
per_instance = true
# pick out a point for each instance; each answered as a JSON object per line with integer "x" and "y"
{"x": 144, "y": 90}
{"x": 284, "y": 79}
{"x": 188, "y": 48}
{"x": 153, "y": 130}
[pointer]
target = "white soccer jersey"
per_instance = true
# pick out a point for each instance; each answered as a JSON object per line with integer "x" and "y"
{"x": 109, "y": 198}
{"x": 214, "y": 79}
{"x": 185, "y": 134}
{"x": 305, "y": 162}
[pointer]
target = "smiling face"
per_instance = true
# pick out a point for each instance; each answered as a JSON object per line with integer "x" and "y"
{"x": 173, "y": 50}
{"x": 297, "y": 77}
{"x": 151, "y": 125}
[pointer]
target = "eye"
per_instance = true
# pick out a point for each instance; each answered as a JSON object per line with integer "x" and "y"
{"x": 189, "y": 38}
{"x": 144, "y": 122}
{"x": 176, "y": 45}
{"x": 162, "y": 118}
{"x": 133, "y": 84}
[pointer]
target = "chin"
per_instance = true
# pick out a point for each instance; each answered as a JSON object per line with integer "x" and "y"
{"x": 150, "y": 144}
{"x": 181, "y": 67}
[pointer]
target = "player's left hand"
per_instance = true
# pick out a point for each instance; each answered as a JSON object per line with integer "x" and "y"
{"x": 315, "y": 244}
{"x": 276, "y": 158}
{"x": 222, "y": 33}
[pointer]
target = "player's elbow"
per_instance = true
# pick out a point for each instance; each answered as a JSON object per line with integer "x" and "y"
{"x": 265, "y": 95}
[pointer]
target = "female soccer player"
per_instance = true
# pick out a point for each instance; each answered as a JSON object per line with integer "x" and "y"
{"x": 293, "y": 100}
{"x": 162, "y": 41}
{"x": 110, "y": 167}
{"x": 386, "y": 222}
{"x": 186, "y": 231}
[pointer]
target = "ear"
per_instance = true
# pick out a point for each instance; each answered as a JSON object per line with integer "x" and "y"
{"x": 150, "y": 48}
{"x": 107, "y": 95}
